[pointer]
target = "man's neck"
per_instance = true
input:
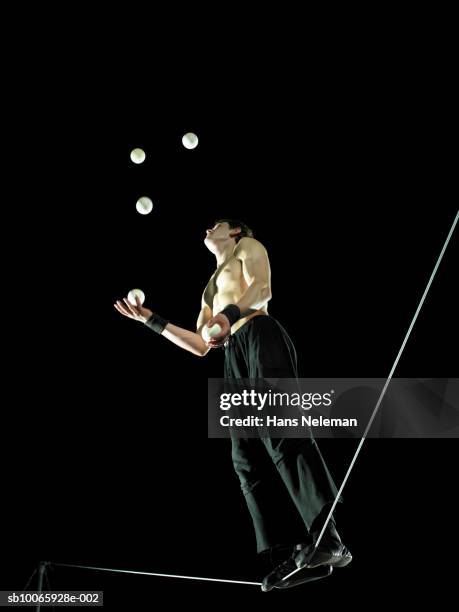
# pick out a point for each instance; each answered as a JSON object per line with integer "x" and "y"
{"x": 224, "y": 251}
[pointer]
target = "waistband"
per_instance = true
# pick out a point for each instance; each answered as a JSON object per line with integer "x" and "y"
{"x": 242, "y": 329}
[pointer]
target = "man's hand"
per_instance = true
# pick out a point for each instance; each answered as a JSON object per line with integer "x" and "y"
{"x": 138, "y": 312}
{"x": 219, "y": 339}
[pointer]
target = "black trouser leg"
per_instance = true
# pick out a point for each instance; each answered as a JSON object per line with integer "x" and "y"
{"x": 262, "y": 349}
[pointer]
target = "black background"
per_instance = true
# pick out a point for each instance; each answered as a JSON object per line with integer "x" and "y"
{"x": 347, "y": 185}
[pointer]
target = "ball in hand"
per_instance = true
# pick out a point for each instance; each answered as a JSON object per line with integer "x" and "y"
{"x": 210, "y": 332}
{"x": 132, "y": 295}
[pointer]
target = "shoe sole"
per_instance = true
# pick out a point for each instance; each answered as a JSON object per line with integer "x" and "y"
{"x": 312, "y": 574}
{"x": 324, "y": 558}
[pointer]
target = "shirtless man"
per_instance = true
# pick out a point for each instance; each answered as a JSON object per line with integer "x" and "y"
{"x": 257, "y": 346}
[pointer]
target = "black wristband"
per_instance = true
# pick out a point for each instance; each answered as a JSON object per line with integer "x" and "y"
{"x": 232, "y": 312}
{"x": 156, "y": 323}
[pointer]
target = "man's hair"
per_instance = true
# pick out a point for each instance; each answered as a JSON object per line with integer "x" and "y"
{"x": 245, "y": 232}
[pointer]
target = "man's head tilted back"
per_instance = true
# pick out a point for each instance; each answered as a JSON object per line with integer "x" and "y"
{"x": 224, "y": 230}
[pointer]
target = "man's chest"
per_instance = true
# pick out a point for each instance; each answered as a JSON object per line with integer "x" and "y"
{"x": 229, "y": 277}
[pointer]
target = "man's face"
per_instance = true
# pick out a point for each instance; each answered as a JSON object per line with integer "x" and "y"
{"x": 217, "y": 234}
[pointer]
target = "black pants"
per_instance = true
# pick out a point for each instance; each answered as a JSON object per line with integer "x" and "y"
{"x": 262, "y": 348}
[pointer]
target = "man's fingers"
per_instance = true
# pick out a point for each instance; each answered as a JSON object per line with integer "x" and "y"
{"x": 131, "y": 308}
{"x": 218, "y": 340}
{"x": 215, "y": 345}
{"x": 218, "y": 337}
{"x": 137, "y": 301}
{"x": 120, "y": 308}
{"x": 127, "y": 311}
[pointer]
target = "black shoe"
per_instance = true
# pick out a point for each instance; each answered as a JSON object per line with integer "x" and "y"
{"x": 280, "y": 572}
{"x": 331, "y": 551}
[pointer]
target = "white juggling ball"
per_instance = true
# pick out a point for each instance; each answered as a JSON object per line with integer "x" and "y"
{"x": 144, "y": 205}
{"x": 138, "y": 156}
{"x": 210, "y": 332}
{"x": 136, "y": 292}
{"x": 190, "y": 141}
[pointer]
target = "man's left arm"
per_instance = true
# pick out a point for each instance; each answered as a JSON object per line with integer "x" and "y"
{"x": 257, "y": 275}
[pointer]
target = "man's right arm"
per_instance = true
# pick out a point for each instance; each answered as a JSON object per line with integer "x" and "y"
{"x": 188, "y": 340}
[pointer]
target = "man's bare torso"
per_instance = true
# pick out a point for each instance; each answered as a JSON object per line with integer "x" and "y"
{"x": 226, "y": 286}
